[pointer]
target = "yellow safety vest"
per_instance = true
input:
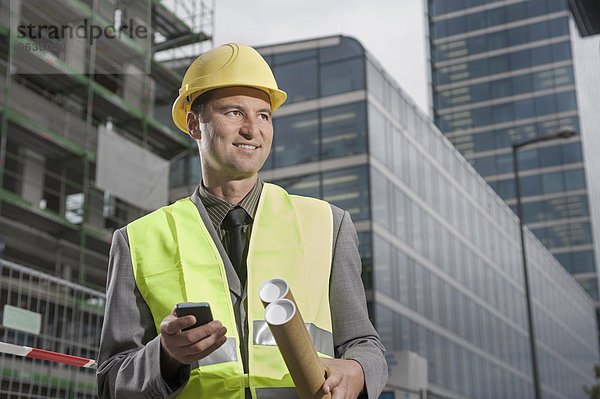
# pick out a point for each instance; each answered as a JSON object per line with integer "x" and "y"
{"x": 175, "y": 260}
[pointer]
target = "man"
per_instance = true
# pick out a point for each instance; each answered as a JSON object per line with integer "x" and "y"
{"x": 218, "y": 246}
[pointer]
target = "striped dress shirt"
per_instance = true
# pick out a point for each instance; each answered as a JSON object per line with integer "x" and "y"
{"x": 218, "y": 208}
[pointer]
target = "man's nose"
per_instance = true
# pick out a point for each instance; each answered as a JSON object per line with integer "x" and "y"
{"x": 250, "y": 127}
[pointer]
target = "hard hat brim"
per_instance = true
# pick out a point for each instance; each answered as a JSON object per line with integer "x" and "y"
{"x": 181, "y": 106}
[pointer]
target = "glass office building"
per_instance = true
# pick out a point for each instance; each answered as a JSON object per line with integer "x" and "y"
{"x": 502, "y": 72}
{"x": 440, "y": 249}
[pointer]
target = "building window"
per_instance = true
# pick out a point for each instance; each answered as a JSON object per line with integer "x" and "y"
{"x": 550, "y": 156}
{"x": 552, "y": 182}
{"x": 528, "y": 159}
{"x": 486, "y": 166}
{"x": 299, "y": 79}
{"x": 574, "y": 179}
{"x": 366, "y": 257}
{"x": 307, "y": 185}
{"x": 377, "y": 135}
{"x": 534, "y": 212}
{"x": 376, "y": 83}
{"x": 566, "y": 101}
{"x": 296, "y": 139}
{"x": 571, "y": 153}
{"x": 380, "y": 194}
{"x": 545, "y": 105}
{"x": 566, "y": 207}
{"x": 285, "y": 58}
{"x": 348, "y": 189}
{"x": 382, "y": 258}
{"x": 343, "y": 130}
{"x": 530, "y": 185}
{"x": 384, "y": 323}
{"x": 343, "y": 76}
{"x": 583, "y": 262}
{"x": 524, "y": 109}
{"x": 347, "y": 48}
{"x": 503, "y": 113}
{"x": 581, "y": 233}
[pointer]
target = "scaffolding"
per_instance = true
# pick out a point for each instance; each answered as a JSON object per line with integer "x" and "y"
{"x": 54, "y": 96}
{"x": 57, "y": 89}
{"x": 199, "y": 17}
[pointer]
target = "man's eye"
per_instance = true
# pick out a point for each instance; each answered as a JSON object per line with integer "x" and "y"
{"x": 235, "y": 112}
{"x": 264, "y": 117}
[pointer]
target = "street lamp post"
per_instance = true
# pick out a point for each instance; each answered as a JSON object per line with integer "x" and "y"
{"x": 561, "y": 134}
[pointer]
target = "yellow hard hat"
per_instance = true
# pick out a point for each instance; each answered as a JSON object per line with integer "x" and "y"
{"x": 225, "y": 66}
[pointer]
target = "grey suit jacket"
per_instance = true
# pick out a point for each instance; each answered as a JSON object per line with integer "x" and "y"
{"x": 129, "y": 358}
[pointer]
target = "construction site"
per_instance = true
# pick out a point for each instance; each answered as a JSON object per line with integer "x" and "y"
{"x": 71, "y": 71}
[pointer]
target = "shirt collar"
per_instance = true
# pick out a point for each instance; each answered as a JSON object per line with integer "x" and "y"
{"x": 217, "y": 208}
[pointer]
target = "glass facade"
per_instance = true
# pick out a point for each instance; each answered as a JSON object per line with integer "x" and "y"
{"x": 347, "y": 188}
{"x": 440, "y": 250}
{"x": 318, "y": 135}
{"x": 502, "y": 74}
{"x": 446, "y": 253}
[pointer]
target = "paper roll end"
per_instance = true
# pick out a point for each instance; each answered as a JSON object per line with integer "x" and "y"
{"x": 273, "y": 289}
{"x": 280, "y": 312}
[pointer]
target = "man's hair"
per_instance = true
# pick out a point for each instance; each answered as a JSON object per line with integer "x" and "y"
{"x": 199, "y": 104}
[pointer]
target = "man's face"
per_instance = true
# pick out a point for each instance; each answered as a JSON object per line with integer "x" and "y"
{"x": 235, "y": 133}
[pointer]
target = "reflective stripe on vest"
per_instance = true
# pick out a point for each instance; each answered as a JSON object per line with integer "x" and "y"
{"x": 322, "y": 339}
{"x": 175, "y": 260}
{"x": 226, "y": 353}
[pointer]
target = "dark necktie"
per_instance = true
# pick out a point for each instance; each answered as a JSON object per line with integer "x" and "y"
{"x": 234, "y": 223}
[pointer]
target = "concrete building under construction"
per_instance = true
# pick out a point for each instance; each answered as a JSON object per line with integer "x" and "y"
{"x": 80, "y": 81}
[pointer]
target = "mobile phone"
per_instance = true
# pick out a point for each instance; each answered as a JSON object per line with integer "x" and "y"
{"x": 200, "y": 310}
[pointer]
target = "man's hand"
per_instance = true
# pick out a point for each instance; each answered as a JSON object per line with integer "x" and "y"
{"x": 187, "y": 347}
{"x": 345, "y": 378}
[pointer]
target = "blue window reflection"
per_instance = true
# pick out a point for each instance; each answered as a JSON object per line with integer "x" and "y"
{"x": 347, "y": 48}
{"x": 343, "y": 76}
{"x": 306, "y": 185}
{"x": 296, "y": 139}
{"x": 298, "y": 79}
{"x": 343, "y": 130}
{"x": 348, "y": 189}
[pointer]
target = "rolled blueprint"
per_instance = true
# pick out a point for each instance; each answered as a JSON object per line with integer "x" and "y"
{"x": 296, "y": 347}
{"x": 274, "y": 289}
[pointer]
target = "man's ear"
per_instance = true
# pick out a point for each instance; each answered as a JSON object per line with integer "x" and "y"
{"x": 193, "y": 125}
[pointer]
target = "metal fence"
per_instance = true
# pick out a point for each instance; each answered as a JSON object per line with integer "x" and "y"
{"x": 70, "y": 321}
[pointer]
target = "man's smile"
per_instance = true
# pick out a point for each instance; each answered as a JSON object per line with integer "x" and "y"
{"x": 246, "y": 146}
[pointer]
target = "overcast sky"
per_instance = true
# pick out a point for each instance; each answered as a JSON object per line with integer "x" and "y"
{"x": 393, "y": 31}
